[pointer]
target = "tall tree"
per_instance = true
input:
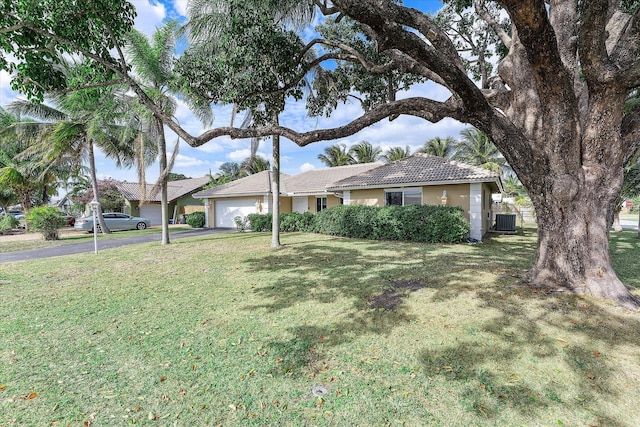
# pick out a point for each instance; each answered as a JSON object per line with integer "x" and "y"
{"x": 554, "y": 108}
{"x": 364, "y": 152}
{"x": 336, "y": 155}
{"x": 396, "y": 153}
{"x": 441, "y": 147}
{"x": 153, "y": 60}
{"x": 475, "y": 148}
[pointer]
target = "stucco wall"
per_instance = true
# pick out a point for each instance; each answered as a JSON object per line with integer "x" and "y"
{"x": 367, "y": 197}
{"x": 285, "y": 204}
{"x": 457, "y": 195}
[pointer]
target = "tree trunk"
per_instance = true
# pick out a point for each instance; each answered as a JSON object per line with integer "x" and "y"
{"x": 617, "y": 227}
{"x": 94, "y": 185}
{"x": 275, "y": 224}
{"x": 164, "y": 202}
{"x": 573, "y": 249}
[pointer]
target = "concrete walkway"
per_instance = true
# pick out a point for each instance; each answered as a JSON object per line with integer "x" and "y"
{"x": 77, "y": 248}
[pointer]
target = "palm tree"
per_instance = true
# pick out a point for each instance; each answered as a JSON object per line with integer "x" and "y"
{"x": 255, "y": 164}
{"x": 396, "y": 153}
{"x": 475, "y": 148}
{"x": 69, "y": 133}
{"x": 439, "y": 147}
{"x": 364, "y": 152}
{"x": 153, "y": 61}
{"x": 336, "y": 155}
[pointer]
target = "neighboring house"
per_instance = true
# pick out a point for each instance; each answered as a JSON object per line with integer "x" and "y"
{"x": 418, "y": 179}
{"x": 179, "y": 196}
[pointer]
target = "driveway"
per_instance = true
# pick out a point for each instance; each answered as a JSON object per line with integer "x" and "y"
{"x": 77, "y": 248}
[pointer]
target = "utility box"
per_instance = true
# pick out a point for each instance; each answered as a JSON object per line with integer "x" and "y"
{"x": 505, "y": 222}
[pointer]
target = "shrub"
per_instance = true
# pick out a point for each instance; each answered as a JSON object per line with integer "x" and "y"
{"x": 196, "y": 219}
{"x": 435, "y": 224}
{"x": 241, "y": 222}
{"x": 8, "y": 222}
{"x": 260, "y": 222}
{"x": 46, "y": 219}
{"x": 289, "y": 221}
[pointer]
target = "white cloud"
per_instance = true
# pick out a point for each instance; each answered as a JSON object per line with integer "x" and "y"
{"x": 149, "y": 15}
{"x": 307, "y": 167}
{"x": 181, "y": 6}
{"x": 239, "y": 155}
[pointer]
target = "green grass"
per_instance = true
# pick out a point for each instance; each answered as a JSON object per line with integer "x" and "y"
{"x": 66, "y": 239}
{"x": 221, "y": 330}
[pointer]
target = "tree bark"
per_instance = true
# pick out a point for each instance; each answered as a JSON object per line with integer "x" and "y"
{"x": 94, "y": 185}
{"x": 164, "y": 202}
{"x": 617, "y": 227}
{"x": 275, "y": 223}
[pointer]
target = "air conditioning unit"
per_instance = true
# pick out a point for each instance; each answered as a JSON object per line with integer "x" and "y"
{"x": 505, "y": 222}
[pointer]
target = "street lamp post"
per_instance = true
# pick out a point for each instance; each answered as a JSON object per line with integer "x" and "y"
{"x": 94, "y": 204}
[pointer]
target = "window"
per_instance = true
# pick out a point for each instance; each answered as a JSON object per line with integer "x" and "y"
{"x": 403, "y": 197}
{"x": 321, "y": 203}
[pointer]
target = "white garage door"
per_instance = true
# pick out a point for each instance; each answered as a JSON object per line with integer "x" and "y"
{"x": 152, "y": 212}
{"x": 226, "y": 210}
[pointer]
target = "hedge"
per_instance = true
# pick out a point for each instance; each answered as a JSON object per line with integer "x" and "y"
{"x": 435, "y": 224}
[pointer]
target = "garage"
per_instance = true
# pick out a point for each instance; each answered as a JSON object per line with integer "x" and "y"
{"x": 152, "y": 212}
{"x": 226, "y": 210}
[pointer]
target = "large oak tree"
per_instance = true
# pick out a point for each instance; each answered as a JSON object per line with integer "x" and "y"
{"x": 554, "y": 108}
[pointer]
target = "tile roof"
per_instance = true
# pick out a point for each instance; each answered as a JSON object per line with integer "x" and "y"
{"x": 175, "y": 189}
{"x": 259, "y": 183}
{"x": 416, "y": 169}
{"x": 316, "y": 180}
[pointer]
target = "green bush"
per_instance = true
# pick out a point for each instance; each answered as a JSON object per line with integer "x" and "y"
{"x": 435, "y": 224}
{"x": 196, "y": 219}
{"x": 46, "y": 219}
{"x": 260, "y": 222}
{"x": 8, "y": 222}
{"x": 289, "y": 221}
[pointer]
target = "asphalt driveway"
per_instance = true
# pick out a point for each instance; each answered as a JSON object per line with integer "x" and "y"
{"x": 77, "y": 248}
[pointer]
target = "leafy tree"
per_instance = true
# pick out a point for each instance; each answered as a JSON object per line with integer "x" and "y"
{"x": 396, "y": 153}
{"x": 110, "y": 198}
{"x": 336, "y": 155}
{"x": 555, "y": 108}
{"x": 176, "y": 176}
{"x": 364, "y": 152}
{"x": 439, "y": 147}
{"x": 7, "y": 198}
{"x": 475, "y": 148}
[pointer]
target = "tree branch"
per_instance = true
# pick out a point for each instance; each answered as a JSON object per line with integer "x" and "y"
{"x": 539, "y": 41}
{"x": 596, "y": 65}
{"x": 497, "y": 29}
{"x": 427, "y": 109}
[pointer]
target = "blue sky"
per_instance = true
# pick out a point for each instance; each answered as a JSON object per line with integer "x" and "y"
{"x": 195, "y": 162}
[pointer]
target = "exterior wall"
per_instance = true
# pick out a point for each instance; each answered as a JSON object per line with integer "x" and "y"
{"x": 285, "y": 204}
{"x": 476, "y": 219}
{"x": 332, "y": 201}
{"x": 457, "y": 195}
{"x": 373, "y": 197}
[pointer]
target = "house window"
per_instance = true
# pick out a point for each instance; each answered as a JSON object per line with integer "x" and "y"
{"x": 403, "y": 197}
{"x": 321, "y": 203}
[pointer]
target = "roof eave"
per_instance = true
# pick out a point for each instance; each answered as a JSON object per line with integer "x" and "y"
{"x": 415, "y": 184}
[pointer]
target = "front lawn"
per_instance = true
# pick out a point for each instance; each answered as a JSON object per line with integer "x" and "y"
{"x": 221, "y": 330}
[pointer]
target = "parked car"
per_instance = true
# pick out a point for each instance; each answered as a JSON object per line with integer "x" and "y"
{"x": 71, "y": 220}
{"x": 115, "y": 221}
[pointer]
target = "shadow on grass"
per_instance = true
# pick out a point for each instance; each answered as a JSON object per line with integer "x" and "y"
{"x": 368, "y": 273}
